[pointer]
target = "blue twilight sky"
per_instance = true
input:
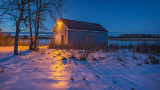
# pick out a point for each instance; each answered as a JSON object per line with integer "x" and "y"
{"x": 129, "y": 16}
{"x": 117, "y": 15}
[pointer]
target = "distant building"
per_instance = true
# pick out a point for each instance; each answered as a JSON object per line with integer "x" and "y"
{"x": 70, "y": 31}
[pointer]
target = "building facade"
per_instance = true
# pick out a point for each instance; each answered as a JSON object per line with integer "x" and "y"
{"x": 70, "y": 31}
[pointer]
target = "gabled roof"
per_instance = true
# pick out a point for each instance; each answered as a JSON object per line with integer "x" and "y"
{"x": 80, "y": 25}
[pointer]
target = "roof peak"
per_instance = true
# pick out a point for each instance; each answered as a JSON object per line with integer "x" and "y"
{"x": 78, "y": 21}
{"x": 81, "y": 25}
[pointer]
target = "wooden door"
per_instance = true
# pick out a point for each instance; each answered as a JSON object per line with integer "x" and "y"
{"x": 62, "y": 39}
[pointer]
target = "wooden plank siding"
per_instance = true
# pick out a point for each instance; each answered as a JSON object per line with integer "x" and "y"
{"x": 58, "y": 31}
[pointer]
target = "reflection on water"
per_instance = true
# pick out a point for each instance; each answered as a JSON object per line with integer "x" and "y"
{"x": 59, "y": 71}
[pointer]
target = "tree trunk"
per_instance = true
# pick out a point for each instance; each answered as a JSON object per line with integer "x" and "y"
{"x": 31, "y": 42}
{"x": 36, "y": 41}
{"x": 16, "y": 39}
{"x": 37, "y": 24}
{"x": 18, "y": 30}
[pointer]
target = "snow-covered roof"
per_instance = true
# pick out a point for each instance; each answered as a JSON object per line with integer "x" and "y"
{"x": 80, "y": 25}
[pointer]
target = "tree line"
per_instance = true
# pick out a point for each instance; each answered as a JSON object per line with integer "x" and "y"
{"x": 136, "y": 35}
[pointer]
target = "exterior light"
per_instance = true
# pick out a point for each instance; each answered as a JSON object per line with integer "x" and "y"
{"x": 59, "y": 23}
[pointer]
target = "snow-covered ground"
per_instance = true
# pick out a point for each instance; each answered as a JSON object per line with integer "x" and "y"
{"x": 49, "y": 70}
{"x": 8, "y": 51}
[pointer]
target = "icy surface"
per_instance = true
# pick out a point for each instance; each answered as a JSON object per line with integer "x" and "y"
{"x": 50, "y": 70}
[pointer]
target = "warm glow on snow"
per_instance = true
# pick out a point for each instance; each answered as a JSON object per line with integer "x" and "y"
{"x": 60, "y": 74}
{"x": 11, "y": 48}
{"x": 61, "y": 84}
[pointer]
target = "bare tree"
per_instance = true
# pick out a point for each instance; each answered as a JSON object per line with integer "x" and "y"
{"x": 44, "y": 8}
{"x": 30, "y": 26}
{"x": 19, "y": 11}
{"x": 15, "y": 10}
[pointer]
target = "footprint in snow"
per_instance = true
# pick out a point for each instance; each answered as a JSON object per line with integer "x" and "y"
{"x": 97, "y": 75}
{"x": 84, "y": 78}
{"x": 58, "y": 54}
{"x": 47, "y": 58}
{"x": 2, "y": 71}
{"x": 123, "y": 64}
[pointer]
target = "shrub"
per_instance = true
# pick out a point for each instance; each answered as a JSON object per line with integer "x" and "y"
{"x": 113, "y": 46}
{"x": 138, "y": 64}
{"x": 72, "y": 57}
{"x": 8, "y": 40}
{"x": 133, "y": 55}
{"x": 154, "y": 60}
{"x": 119, "y": 59}
{"x": 64, "y": 58}
{"x": 83, "y": 54}
{"x": 150, "y": 48}
{"x": 150, "y": 57}
{"x": 72, "y": 78}
{"x": 93, "y": 58}
{"x": 51, "y": 45}
{"x": 146, "y": 61}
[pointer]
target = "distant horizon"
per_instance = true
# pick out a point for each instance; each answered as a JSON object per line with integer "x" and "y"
{"x": 158, "y": 32}
{"x": 109, "y": 33}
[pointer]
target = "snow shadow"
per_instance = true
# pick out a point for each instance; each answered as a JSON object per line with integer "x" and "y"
{"x": 7, "y": 58}
{"x": 12, "y": 56}
{"x": 25, "y": 52}
{"x": 75, "y": 62}
{"x": 64, "y": 61}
